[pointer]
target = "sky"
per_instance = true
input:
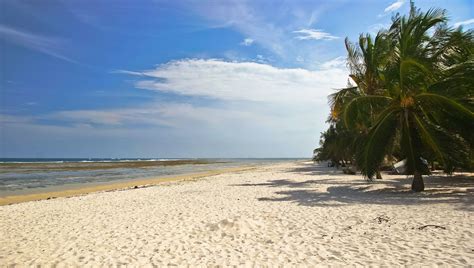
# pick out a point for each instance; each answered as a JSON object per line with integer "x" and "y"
{"x": 84, "y": 78}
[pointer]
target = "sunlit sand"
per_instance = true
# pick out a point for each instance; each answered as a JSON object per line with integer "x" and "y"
{"x": 282, "y": 214}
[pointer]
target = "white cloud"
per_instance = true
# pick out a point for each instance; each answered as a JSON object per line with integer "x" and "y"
{"x": 258, "y": 110}
{"x": 43, "y": 44}
{"x": 394, "y": 6}
{"x": 247, "y": 42}
{"x": 260, "y": 58}
{"x": 336, "y": 63}
{"x": 314, "y": 34}
{"x": 236, "y": 86}
{"x": 462, "y": 23}
{"x": 241, "y": 81}
{"x": 125, "y": 72}
{"x": 174, "y": 115}
{"x": 89, "y": 117}
{"x": 253, "y": 133}
{"x": 270, "y": 30}
{"x": 237, "y": 129}
{"x": 14, "y": 119}
{"x": 245, "y": 17}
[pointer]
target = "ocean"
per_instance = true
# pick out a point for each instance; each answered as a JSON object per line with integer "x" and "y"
{"x": 34, "y": 175}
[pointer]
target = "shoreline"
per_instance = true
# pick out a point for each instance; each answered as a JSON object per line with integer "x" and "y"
{"x": 87, "y": 188}
{"x": 284, "y": 214}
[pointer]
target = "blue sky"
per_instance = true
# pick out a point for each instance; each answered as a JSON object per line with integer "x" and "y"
{"x": 178, "y": 78}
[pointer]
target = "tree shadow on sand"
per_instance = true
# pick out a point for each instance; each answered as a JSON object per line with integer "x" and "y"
{"x": 316, "y": 169}
{"x": 457, "y": 190}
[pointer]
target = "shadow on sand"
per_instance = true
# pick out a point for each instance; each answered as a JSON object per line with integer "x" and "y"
{"x": 457, "y": 189}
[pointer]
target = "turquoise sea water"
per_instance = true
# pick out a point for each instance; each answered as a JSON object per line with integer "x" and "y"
{"x": 27, "y": 175}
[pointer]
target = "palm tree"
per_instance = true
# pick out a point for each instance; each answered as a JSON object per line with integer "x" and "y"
{"x": 366, "y": 61}
{"x": 335, "y": 145}
{"x": 426, "y": 91}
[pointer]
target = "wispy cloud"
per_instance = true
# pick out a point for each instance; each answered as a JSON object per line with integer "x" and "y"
{"x": 465, "y": 22}
{"x": 235, "y": 86}
{"x": 314, "y": 34}
{"x": 336, "y": 63}
{"x": 245, "y": 18}
{"x": 14, "y": 119}
{"x": 394, "y": 6}
{"x": 237, "y": 131}
{"x": 126, "y": 72}
{"x": 375, "y": 28}
{"x": 250, "y": 103}
{"x": 248, "y": 81}
{"x": 174, "y": 115}
{"x": 269, "y": 30}
{"x": 247, "y": 42}
{"x": 44, "y": 44}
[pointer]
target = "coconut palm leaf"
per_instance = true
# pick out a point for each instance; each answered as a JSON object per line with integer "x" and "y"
{"x": 414, "y": 96}
{"x": 377, "y": 142}
{"x": 338, "y": 99}
{"x": 360, "y": 109}
{"x": 450, "y": 150}
{"x": 449, "y": 114}
{"x": 448, "y": 111}
{"x": 457, "y": 82}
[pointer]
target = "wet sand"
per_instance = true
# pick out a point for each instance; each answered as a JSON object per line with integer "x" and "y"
{"x": 86, "y": 188}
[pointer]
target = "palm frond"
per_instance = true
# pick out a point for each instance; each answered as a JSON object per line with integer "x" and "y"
{"x": 457, "y": 82}
{"x": 446, "y": 106}
{"x": 361, "y": 109}
{"x": 449, "y": 150}
{"x": 378, "y": 142}
{"x": 448, "y": 113}
{"x": 338, "y": 99}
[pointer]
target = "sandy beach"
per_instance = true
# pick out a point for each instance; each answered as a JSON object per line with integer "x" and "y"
{"x": 294, "y": 213}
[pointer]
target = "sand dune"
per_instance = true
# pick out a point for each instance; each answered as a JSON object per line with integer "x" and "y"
{"x": 284, "y": 214}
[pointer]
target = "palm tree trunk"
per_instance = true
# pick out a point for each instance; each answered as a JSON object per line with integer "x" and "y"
{"x": 417, "y": 185}
{"x": 378, "y": 176}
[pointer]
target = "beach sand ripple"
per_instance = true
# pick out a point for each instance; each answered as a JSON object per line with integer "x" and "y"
{"x": 280, "y": 215}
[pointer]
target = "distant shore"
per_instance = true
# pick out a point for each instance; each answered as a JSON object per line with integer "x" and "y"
{"x": 82, "y": 189}
{"x": 39, "y": 176}
{"x": 102, "y": 165}
{"x": 286, "y": 214}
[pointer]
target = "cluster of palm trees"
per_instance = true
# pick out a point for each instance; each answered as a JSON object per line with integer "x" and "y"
{"x": 412, "y": 99}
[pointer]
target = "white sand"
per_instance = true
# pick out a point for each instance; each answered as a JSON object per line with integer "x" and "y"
{"x": 285, "y": 214}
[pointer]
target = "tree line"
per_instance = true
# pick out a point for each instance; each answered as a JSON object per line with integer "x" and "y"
{"x": 409, "y": 97}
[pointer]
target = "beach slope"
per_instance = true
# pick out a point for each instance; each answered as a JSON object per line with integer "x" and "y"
{"x": 282, "y": 214}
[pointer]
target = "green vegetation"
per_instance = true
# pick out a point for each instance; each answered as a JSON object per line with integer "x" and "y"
{"x": 412, "y": 99}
